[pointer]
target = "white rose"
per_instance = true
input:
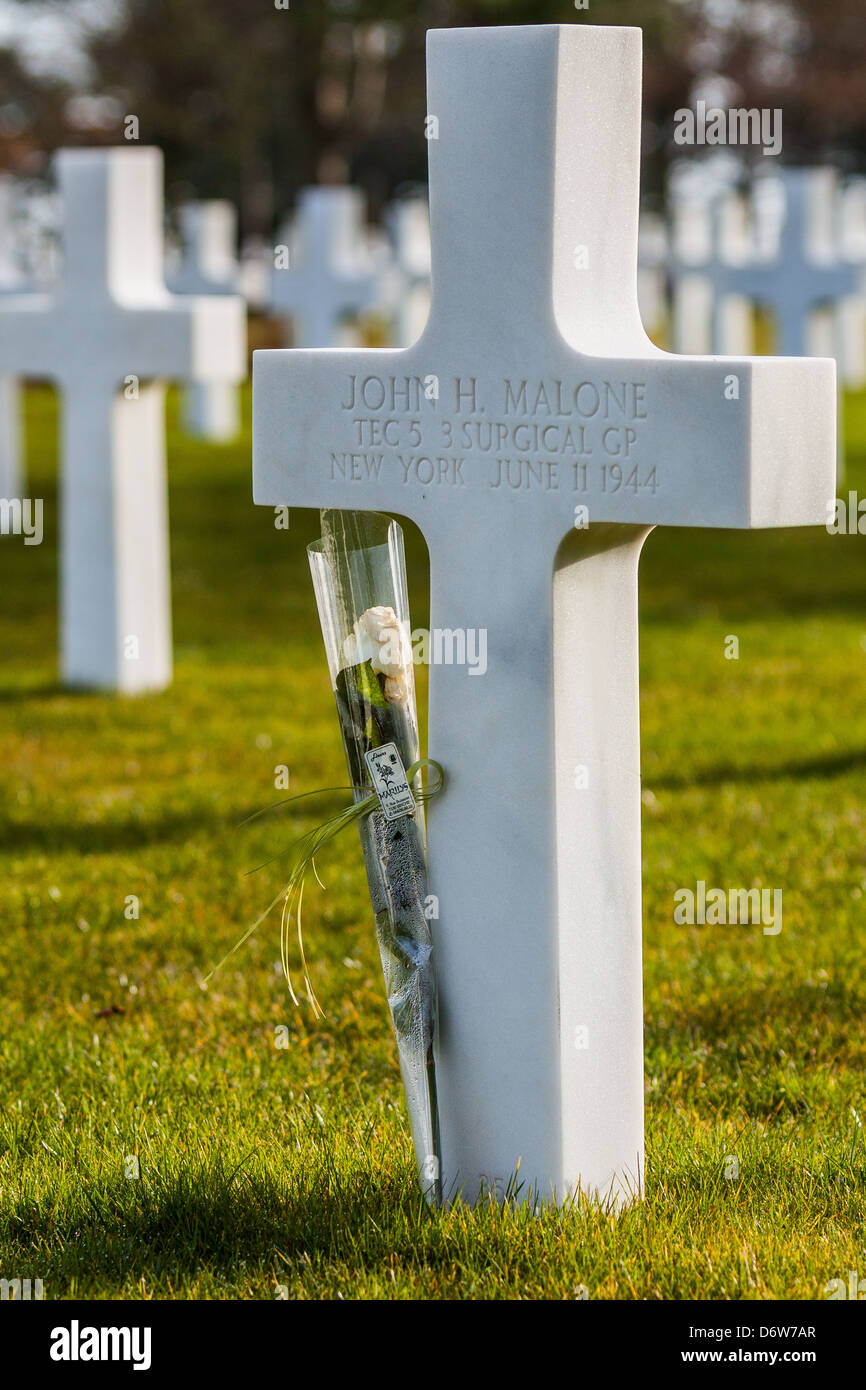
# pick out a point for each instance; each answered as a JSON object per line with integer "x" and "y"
{"x": 393, "y": 650}
{"x": 376, "y": 619}
{"x": 359, "y": 646}
{"x": 382, "y": 639}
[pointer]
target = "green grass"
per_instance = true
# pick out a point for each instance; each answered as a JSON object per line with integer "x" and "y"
{"x": 263, "y": 1165}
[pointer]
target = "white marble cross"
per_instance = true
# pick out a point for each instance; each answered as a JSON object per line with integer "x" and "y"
{"x": 254, "y": 275}
{"x": 108, "y": 335}
{"x": 692, "y": 291}
{"x": 853, "y": 220}
{"x": 209, "y": 265}
{"x": 11, "y": 469}
{"x": 409, "y": 298}
{"x": 534, "y": 394}
{"x": 708, "y": 232}
{"x": 853, "y": 312}
{"x": 331, "y": 274}
{"x": 732, "y": 313}
{"x": 804, "y": 273}
{"x": 10, "y": 268}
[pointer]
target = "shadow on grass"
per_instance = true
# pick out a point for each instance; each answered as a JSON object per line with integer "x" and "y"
{"x": 794, "y": 769}
{"x": 231, "y": 1227}
{"x": 816, "y": 1023}
{"x": 228, "y": 831}
{"x": 46, "y": 690}
{"x": 101, "y": 837}
{"x": 28, "y": 694}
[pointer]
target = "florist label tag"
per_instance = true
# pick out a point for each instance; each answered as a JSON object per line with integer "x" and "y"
{"x": 390, "y": 782}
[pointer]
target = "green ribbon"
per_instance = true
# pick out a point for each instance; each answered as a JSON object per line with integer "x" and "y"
{"x": 369, "y": 803}
{"x": 309, "y": 846}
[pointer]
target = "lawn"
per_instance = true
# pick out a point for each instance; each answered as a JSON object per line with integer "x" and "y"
{"x": 157, "y": 1140}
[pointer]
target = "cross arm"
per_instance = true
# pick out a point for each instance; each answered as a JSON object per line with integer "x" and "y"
{"x": 660, "y": 439}
{"x": 191, "y": 337}
{"x": 792, "y": 432}
{"x": 24, "y": 343}
{"x": 197, "y": 337}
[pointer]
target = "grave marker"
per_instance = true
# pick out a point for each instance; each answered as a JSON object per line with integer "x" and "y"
{"x": 732, "y": 313}
{"x": 254, "y": 276}
{"x": 708, "y": 232}
{"x": 410, "y": 284}
{"x": 549, "y": 398}
{"x": 804, "y": 272}
{"x": 108, "y": 335}
{"x": 11, "y": 469}
{"x": 692, "y": 290}
{"x": 853, "y": 314}
{"x": 209, "y": 266}
{"x": 331, "y": 275}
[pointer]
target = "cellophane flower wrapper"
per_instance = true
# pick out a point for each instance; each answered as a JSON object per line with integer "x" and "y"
{"x": 359, "y": 577}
